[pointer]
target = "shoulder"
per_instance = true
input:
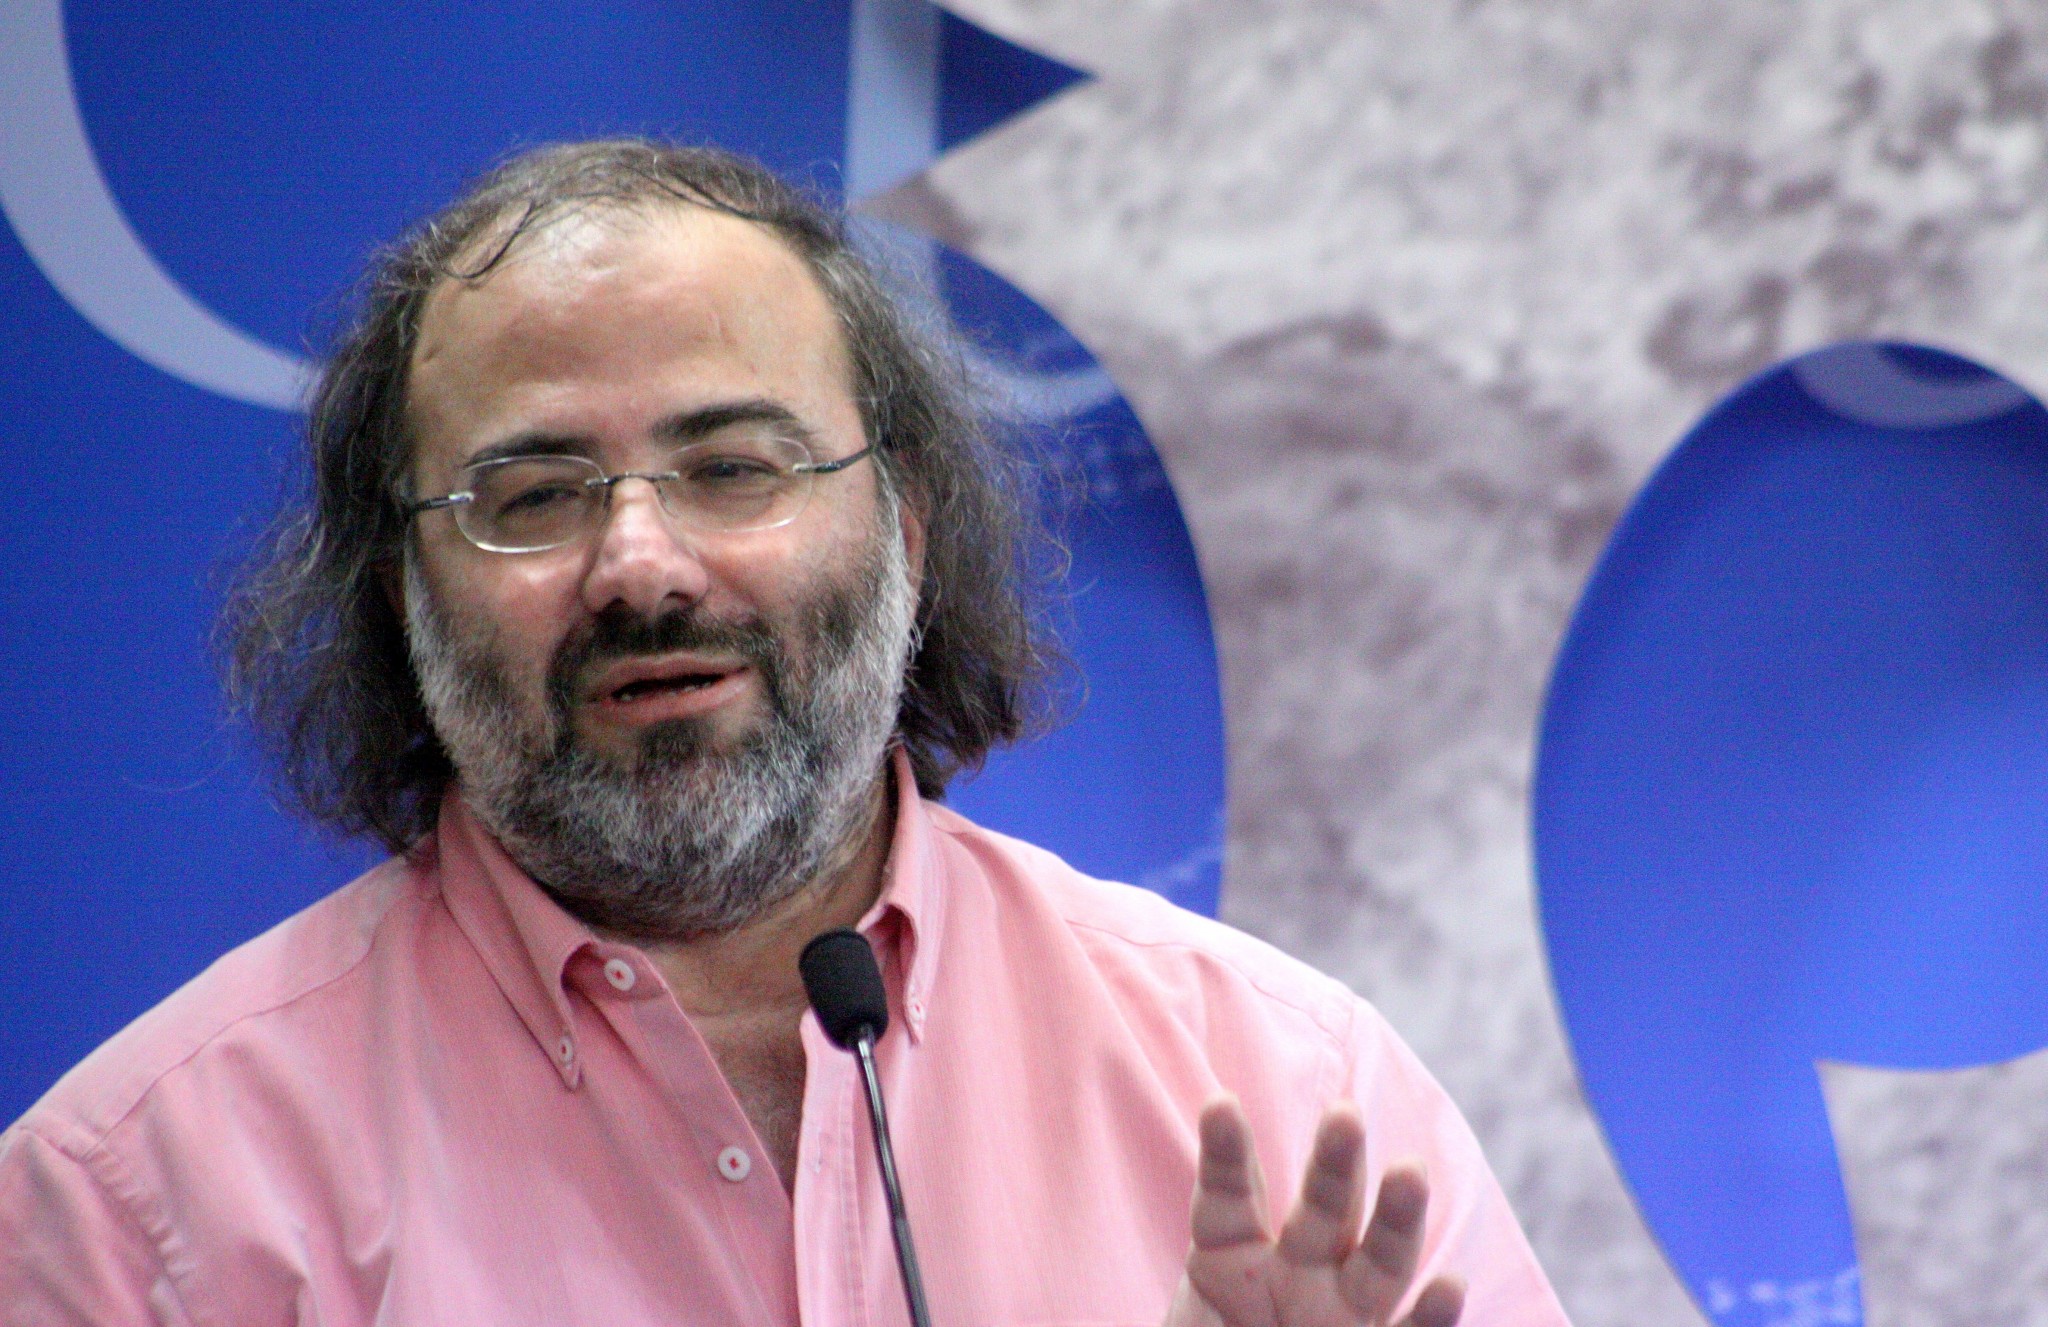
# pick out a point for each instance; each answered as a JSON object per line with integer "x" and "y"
{"x": 1158, "y": 1005}
{"x": 256, "y": 984}
{"x": 1151, "y": 949}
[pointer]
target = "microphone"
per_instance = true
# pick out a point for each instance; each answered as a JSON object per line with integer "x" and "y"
{"x": 846, "y": 993}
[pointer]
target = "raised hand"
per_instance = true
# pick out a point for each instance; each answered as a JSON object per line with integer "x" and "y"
{"x": 1319, "y": 1272}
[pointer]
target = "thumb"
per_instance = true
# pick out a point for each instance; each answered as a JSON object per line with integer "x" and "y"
{"x": 1189, "y": 1309}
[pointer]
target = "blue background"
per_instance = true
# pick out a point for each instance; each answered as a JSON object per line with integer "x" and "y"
{"x": 262, "y": 153}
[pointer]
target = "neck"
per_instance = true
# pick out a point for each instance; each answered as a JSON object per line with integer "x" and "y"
{"x": 753, "y": 968}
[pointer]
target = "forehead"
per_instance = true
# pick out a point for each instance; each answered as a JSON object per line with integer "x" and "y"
{"x": 618, "y": 311}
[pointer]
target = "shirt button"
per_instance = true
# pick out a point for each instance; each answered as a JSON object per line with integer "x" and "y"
{"x": 620, "y": 974}
{"x": 735, "y": 1164}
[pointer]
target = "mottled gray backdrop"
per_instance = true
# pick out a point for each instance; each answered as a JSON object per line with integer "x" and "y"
{"x": 1411, "y": 297}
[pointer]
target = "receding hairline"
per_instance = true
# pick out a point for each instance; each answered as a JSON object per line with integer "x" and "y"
{"x": 505, "y": 239}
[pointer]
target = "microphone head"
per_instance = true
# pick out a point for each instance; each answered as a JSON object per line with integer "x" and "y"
{"x": 845, "y": 986}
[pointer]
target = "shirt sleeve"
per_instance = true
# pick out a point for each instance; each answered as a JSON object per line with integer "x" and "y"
{"x": 1470, "y": 1231}
{"x": 71, "y": 1254}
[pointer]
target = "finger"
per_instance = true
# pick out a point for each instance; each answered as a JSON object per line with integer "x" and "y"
{"x": 1323, "y": 1227}
{"x": 1230, "y": 1193}
{"x": 1440, "y": 1304}
{"x": 1377, "y": 1274}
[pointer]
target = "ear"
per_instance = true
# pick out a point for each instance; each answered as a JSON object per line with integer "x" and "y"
{"x": 392, "y": 577}
{"x": 912, "y": 523}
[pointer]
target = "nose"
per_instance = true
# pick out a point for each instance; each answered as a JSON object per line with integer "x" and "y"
{"x": 643, "y": 559}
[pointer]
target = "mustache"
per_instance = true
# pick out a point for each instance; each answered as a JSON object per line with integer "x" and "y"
{"x": 619, "y": 633}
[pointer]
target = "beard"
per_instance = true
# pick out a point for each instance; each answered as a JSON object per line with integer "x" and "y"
{"x": 683, "y": 838}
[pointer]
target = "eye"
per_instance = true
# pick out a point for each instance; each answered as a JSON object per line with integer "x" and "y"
{"x": 540, "y": 496}
{"x": 525, "y": 491}
{"x": 729, "y": 469}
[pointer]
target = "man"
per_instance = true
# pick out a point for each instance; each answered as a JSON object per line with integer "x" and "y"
{"x": 655, "y": 580}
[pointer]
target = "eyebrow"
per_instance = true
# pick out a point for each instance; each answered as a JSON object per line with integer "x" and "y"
{"x": 685, "y": 427}
{"x": 530, "y": 444}
{"x": 694, "y": 424}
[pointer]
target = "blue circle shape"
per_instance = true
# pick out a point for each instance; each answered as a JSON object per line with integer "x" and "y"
{"x": 1789, "y": 795}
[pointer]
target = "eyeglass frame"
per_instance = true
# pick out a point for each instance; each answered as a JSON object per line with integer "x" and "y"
{"x": 654, "y": 478}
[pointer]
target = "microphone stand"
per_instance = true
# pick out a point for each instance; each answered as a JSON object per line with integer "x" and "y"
{"x": 845, "y": 988}
{"x": 899, "y": 1215}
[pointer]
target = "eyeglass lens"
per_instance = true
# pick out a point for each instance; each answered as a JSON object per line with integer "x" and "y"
{"x": 749, "y": 481}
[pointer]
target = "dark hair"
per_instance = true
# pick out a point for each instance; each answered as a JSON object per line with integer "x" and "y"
{"x": 315, "y": 654}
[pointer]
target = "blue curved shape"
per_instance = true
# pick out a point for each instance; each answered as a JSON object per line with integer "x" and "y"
{"x": 53, "y": 195}
{"x": 1789, "y": 798}
{"x": 1131, "y": 788}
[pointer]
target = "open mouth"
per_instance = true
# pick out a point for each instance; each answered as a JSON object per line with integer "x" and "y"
{"x": 654, "y": 686}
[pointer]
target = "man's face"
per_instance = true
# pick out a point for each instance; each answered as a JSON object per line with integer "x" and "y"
{"x": 650, "y": 692}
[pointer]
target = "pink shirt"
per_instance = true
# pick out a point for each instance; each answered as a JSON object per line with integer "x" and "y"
{"x": 434, "y": 1097}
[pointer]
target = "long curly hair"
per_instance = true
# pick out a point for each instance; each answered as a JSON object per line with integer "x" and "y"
{"x": 314, "y": 654}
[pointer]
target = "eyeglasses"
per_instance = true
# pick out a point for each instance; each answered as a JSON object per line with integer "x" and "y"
{"x": 730, "y": 484}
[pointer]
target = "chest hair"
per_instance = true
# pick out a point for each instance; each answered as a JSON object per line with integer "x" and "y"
{"x": 762, "y": 1058}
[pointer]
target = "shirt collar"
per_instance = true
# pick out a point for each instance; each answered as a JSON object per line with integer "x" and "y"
{"x": 905, "y": 923}
{"x": 527, "y": 941}
{"x": 523, "y": 936}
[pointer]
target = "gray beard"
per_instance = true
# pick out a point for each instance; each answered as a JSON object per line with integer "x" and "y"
{"x": 686, "y": 840}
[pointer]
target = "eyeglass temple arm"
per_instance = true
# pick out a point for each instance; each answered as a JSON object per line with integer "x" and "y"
{"x": 433, "y": 504}
{"x": 831, "y": 467}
